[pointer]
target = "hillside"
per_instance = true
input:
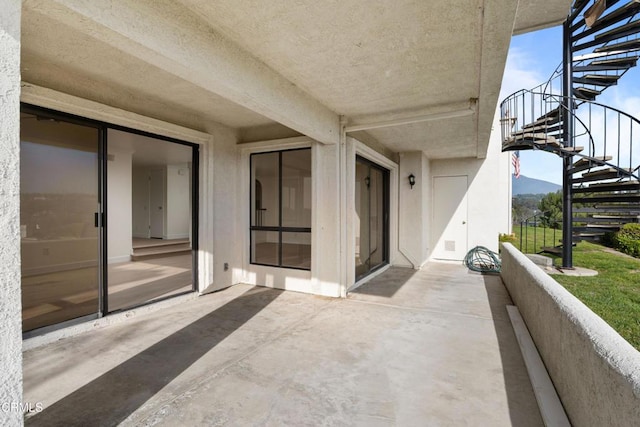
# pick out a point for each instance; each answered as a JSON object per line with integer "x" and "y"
{"x": 526, "y": 185}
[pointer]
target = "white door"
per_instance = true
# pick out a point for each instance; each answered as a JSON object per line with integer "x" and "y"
{"x": 450, "y": 217}
{"x": 156, "y": 203}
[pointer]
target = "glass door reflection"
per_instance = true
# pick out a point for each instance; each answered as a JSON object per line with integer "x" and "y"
{"x": 58, "y": 213}
{"x": 371, "y": 205}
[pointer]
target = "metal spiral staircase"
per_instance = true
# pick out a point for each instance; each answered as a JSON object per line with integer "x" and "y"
{"x": 600, "y": 145}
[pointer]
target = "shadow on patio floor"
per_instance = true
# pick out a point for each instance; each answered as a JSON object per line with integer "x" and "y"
{"x": 129, "y": 385}
{"x": 514, "y": 376}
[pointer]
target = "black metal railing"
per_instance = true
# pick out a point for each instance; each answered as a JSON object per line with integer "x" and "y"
{"x": 533, "y": 120}
{"x": 537, "y": 225}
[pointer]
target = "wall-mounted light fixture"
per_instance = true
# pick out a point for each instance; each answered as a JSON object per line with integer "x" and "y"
{"x": 412, "y": 180}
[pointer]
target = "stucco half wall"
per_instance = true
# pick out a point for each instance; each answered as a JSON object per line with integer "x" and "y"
{"x": 594, "y": 370}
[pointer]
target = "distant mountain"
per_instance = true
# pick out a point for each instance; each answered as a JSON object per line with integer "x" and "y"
{"x": 526, "y": 185}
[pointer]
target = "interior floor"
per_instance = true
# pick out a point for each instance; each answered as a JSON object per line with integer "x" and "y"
{"x": 55, "y": 297}
{"x": 137, "y": 282}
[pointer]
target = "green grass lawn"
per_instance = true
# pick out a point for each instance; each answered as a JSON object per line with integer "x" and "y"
{"x": 614, "y": 294}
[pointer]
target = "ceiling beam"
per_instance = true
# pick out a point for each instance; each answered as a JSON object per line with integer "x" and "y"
{"x": 410, "y": 119}
{"x": 172, "y": 38}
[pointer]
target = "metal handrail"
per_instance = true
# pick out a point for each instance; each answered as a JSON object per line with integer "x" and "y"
{"x": 525, "y": 107}
{"x": 525, "y": 223}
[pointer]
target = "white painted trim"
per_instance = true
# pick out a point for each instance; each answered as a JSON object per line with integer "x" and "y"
{"x": 59, "y": 101}
{"x": 346, "y": 201}
{"x": 362, "y": 150}
{"x": 349, "y": 200}
{"x": 368, "y": 153}
{"x": 206, "y": 214}
{"x": 551, "y": 409}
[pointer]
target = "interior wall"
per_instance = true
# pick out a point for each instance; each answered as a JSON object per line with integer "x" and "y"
{"x": 140, "y": 202}
{"x": 269, "y": 199}
{"x": 178, "y": 212}
{"x": 119, "y": 195}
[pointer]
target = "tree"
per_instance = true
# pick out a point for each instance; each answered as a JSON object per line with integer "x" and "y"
{"x": 523, "y": 206}
{"x": 551, "y": 210}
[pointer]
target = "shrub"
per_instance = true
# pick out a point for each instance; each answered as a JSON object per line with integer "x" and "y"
{"x": 507, "y": 238}
{"x": 631, "y": 231}
{"x": 627, "y": 240}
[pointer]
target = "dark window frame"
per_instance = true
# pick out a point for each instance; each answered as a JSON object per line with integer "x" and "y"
{"x": 279, "y": 228}
{"x": 386, "y": 209}
{"x": 103, "y": 127}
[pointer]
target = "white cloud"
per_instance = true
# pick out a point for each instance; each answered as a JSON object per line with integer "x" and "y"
{"x": 524, "y": 72}
{"x": 521, "y": 72}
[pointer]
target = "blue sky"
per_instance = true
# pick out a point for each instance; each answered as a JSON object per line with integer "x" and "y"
{"x": 532, "y": 59}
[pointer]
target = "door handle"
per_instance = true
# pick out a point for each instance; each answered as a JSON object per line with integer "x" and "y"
{"x": 464, "y": 222}
{"x": 96, "y": 219}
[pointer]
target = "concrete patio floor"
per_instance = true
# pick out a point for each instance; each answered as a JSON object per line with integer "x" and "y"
{"x": 430, "y": 347}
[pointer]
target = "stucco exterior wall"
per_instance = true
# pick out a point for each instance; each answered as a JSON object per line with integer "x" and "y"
{"x": 415, "y": 204}
{"x": 325, "y": 243}
{"x": 488, "y": 194}
{"x": 219, "y": 217}
{"x": 594, "y": 370}
{"x": 10, "y": 303}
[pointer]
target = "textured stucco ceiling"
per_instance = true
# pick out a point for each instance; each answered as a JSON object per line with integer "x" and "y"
{"x": 70, "y": 61}
{"x": 360, "y": 57}
{"x": 361, "y": 60}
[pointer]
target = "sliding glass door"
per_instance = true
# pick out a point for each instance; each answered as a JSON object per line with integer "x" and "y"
{"x": 59, "y": 205}
{"x": 372, "y": 213}
{"x": 108, "y": 218}
{"x": 150, "y": 205}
